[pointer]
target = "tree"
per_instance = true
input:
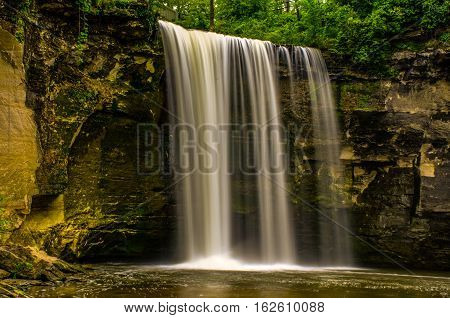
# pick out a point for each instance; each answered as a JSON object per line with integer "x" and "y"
{"x": 192, "y": 14}
{"x": 358, "y": 30}
{"x": 297, "y": 9}
{"x": 243, "y": 9}
{"x": 287, "y": 5}
{"x": 211, "y": 15}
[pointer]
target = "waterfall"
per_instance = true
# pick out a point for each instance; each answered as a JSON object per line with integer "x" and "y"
{"x": 220, "y": 87}
{"x": 335, "y": 246}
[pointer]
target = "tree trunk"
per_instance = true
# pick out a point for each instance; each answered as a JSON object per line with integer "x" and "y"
{"x": 287, "y": 5}
{"x": 211, "y": 15}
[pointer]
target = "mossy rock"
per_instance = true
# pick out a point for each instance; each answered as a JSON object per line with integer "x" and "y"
{"x": 30, "y": 263}
{"x": 362, "y": 96}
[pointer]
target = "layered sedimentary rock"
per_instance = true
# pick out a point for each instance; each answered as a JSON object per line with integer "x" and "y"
{"x": 90, "y": 89}
{"x": 395, "y": 147}
{"x": 19, "y": 149}
{"x": 72, "y": 107}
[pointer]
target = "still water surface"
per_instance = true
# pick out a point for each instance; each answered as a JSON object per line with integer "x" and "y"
{"x": 124, "y": 280}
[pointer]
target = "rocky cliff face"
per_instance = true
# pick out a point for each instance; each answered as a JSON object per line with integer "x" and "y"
{"x": 396, "y": 146}
{"x": 395, "y": 150}
{"x": 18, "y": 143}
{"x": 91, "y": 79}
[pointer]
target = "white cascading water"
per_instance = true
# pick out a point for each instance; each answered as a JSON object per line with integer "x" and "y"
{"x": 335, "y": 242}
{"x": 214, "y": 81}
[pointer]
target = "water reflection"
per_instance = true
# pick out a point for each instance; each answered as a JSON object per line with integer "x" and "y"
{"x": 149, "y": 281}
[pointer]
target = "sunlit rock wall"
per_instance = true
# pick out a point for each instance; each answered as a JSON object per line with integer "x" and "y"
{"x": 90, "y": 88}
{"x": 19, "y": 149}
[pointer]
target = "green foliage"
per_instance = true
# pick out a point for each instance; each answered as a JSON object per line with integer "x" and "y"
{"x": 23, "y": 8}
{"x": 96, "y": 7}
{"x": 81, "y": 95}
{"x": 148, "y": 16}
{"x": 435, "y": 13}
{"x": 85, "y": 6}
{"x": 360, "y": 30}
{"x": 72, "y": 99}
{"x": 242, "y": 9}
{"x": 193, "y": 14}
{"x": 4, "y": 223}
{"x": 445, "y": 37}
{"x": 20, "y": 269}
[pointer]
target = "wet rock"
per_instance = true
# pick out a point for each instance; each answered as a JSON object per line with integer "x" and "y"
{"x": 430, "y": 65}
{"x": 10, "y": 291}
{"x": 3, "y": 274}
{"x": 30, "y": 263}
{"x": 70, "y": 81}
{"x": 395, "y": 147}
{"x": 96, "y": 197}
